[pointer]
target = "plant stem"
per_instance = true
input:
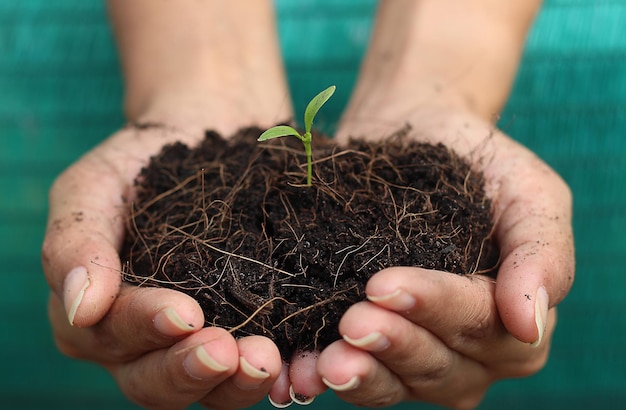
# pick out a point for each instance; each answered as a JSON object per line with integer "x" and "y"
{"x": 306, "y": 140}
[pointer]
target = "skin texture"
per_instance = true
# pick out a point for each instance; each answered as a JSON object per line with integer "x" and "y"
{"x": 421, "y": 68}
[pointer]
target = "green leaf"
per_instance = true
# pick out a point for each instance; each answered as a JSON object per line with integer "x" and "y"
{"x": 279, "y": 131}
{"x": 314, "y": 106}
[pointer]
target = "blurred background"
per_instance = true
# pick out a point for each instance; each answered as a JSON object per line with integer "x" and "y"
{"x": 61, "y": 92}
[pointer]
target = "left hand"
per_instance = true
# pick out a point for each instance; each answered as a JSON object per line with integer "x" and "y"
{"x": 151, "y": 340}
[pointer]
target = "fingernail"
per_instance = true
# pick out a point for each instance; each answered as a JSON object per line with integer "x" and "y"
{"x": 74, "y": 287}
{"x": 351, "y": 384}
{"x": 279, "y": 405}
{"x": 374, "y": 342}
{"x": 397, "y": 300}
{"x": 199, "y": 364}
{"x": 299, "y": 398}
{"x": 253, "y": 377}
{"x": 541, "y": 313}
{"x": 169, "y": 323}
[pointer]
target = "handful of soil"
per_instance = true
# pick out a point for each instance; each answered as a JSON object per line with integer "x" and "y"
{"x": 232, "y": 224}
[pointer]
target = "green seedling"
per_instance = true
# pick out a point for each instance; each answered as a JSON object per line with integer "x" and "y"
{"x": 309, "y": 114}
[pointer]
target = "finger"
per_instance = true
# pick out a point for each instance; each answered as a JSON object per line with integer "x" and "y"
{"x": 140, "y": 320}
{"x": 357, "y": 377}
{"x": 260, "y": 365}
{"x": 85, "y": 229}
{"x": 423, "y": 363}
{"x": 460, "y": 310}
{"x": 533, "y": 213}
{"x": 306, "y": 383}
{"x": 279, "y": 395}
{"x": 181, "y": 375}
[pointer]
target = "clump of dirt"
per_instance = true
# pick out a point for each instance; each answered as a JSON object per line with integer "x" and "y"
{"x": 231, "y": 224}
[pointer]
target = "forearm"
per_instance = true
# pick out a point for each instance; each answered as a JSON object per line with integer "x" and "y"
{"x": 207, "y": 63}
{"x": 444, "y": 52}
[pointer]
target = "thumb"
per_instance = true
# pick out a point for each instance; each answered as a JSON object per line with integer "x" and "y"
{"x": 85, "y": 230}
{"x": 537, "y": 248}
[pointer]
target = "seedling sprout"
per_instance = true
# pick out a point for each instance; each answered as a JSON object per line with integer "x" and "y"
{"x": 309, "y": 114}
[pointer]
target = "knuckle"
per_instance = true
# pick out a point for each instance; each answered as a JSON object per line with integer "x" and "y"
{"x": 432, "y": 374}
{"x": 112, "y": 347}
{"x": 481, "y": 326}
{"x": 450, "y": 387}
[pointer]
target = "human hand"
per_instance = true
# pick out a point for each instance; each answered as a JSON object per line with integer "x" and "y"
{"x": 442, "y": 338}
{"x": 151, "y": 340}
{"x": 430, "y": 335}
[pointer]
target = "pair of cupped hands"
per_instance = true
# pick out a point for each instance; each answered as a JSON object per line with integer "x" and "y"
{"x": 420, "y": 335}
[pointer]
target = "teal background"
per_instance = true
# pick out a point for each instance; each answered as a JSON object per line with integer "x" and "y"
{"x": 60, "y": 93}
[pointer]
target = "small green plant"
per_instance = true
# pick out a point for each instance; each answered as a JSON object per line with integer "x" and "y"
{"x": 309, "y": 114}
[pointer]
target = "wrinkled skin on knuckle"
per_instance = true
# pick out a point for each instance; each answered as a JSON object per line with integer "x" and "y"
{"x": 482, "y": 327}
{"x": 115, "y": 350}
{"x": 451, "y": 390}
{"x": 432, "y": 378}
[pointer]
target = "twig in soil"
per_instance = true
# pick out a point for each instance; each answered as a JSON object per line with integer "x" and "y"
{"x": 170, "y": 191}
{"x": 348, "y": 254}
{"x": 373, "y": 257}
{"x": 318, "y": 304}
{"x": 397, "y": 219}
{"x": 216, "y": 249}
{"x": 256, "y": 312}
{"x": 142, "y": 280}
{"x": 318, "y": 331}
{"x": 249, "y": 318}
{"x": 295, "y": 285}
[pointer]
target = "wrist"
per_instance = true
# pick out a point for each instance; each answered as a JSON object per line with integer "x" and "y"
{"x": 197, "y": 64}
{"x": 442, "y": 54}
{"x": 194, "y": 108}
{"x": 380, "y": 107}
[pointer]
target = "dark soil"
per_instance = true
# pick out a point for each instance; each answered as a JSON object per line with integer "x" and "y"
{"x": 231, "y": 224}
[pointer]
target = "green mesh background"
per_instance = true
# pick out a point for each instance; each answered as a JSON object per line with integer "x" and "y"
{"x": 60, "y": 94}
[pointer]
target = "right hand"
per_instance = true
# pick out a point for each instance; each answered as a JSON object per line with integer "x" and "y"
{"x": 151, "y": 340}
